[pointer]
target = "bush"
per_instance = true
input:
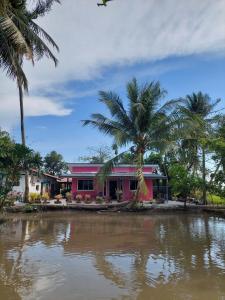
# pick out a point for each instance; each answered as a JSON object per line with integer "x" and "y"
{"x": 69, "y": 196}
{"x": 34, "y": 197}
{"x": 216, "y": 200}
{"x": 14, "y": 196}
{"x": 99, "y": 200}
{"x": 45, "y": 197}
{"x": 29, "y": 208}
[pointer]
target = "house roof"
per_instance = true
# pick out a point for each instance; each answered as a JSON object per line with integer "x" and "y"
{"x": 100, "y": 165}
{"x": 117, "y": 174}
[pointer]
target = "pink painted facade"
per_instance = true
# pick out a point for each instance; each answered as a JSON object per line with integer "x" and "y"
{"x": 122, "y": 177}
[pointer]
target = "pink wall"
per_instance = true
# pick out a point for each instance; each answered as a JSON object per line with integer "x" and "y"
{"x": 127, "y": 194}
{"x": 93, "y": 193}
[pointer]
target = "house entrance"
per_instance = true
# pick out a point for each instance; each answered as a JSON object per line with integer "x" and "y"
{"x": 112, "y": 189}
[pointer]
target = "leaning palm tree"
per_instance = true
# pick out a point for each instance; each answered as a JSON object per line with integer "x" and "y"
{"x": 197, "y": 115}
{"x": 21, "y": 36}
{"x": 143, "y": 126}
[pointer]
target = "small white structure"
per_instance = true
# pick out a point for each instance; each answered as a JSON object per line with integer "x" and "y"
{"x": 39, "y": 183}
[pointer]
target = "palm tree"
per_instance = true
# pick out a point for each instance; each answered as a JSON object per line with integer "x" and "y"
{"x": 143, "y": 126}
{"x": 197, "y": 115}
{"x": 21, "y": 36}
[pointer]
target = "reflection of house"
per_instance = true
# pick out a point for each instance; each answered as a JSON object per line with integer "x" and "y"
{"x": 122, "y": 178}
{"x": 40, "y": 183}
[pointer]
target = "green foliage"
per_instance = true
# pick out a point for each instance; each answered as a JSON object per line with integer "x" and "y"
{"x": 99, "y": 200}
{"x": 14, "y": 159}
{"x": 54, "y": 164}
{"x": 215, "y": 199}
{"x": 34, "y": 197}
{"x": 143, "y": 124}
{"x": 21, "y": 36}
{"x": 181, "y": 182}
{"x": 128, "y": 158}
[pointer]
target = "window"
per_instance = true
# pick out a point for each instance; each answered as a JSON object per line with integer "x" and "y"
{"x": 85, "y": 185}
{"x": 37, "y": 187}
{"x": 133, "y": 185}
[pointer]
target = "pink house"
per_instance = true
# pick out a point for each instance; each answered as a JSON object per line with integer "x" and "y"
{"x": 122, "y": 178}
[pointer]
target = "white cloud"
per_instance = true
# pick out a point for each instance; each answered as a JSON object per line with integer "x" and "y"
{"x": 124, "y": 32}
{"x": 33, "y": 107}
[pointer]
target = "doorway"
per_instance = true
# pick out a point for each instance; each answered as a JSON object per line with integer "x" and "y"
{"x": 112, "y": 189}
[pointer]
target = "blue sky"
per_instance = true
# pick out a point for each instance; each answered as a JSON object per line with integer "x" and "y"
{"x": 185, "y": 53}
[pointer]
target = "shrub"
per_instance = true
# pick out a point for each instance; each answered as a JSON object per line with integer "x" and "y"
{"x": 99, "y": 199}
{"x": 45, "y": 197}
{"x": 69, "y": 196}
{"x": 34, "y": 197}
{"x": 214, "y": 199}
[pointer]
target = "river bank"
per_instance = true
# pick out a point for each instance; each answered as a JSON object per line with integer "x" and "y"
{"x": 168, "y": 207}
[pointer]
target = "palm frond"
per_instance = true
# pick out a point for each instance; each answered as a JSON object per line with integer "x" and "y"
{"x": 42, "y": 8}
{"x": 106, "y": 169}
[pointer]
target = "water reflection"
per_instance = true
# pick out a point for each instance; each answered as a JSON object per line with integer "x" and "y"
{"x": 91, "y": 256}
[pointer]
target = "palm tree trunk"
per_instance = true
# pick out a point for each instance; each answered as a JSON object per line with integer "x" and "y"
{"x": 140, "y": 176}
{"x": 26, "y": 192}
{"x": 204, "y": 176}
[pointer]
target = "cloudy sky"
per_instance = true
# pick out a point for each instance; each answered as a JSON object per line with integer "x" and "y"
{"x": 179, "y": 42}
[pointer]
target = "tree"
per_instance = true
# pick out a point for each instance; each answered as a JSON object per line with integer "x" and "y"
{"x": 143, "y": 126}
{"x": 98, "y": 155}
{"x": 21, "y": 36}
{"x": 182, "y": 183}
{"x": 217, "y": 145}
{"x": 127, "y": 158}
{"x": 54, "y": 164}
{"x": 14, "y": 159}
{"x": 196, "y": 114}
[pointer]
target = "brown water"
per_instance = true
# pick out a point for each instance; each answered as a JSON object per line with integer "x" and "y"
{"x": 71, "y": 256}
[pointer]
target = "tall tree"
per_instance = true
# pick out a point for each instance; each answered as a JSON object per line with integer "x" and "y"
{"x": 54, "y": 164}
{"x": 197, "y": 115}
{"x": 97, "y": 155}
{"x": 21, "y": 36}
{"x": 142, "y": 126}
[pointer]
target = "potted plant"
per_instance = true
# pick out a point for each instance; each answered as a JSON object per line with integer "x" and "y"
{"x": 45, "y": 198}
{"x": 69, "y": 197}
{"x": 119, "y": 194}
{"x": 99, "y": 199}
{"x": 87, "y": 198}
{"x": 58, "y": 198}
{"x": 79, "y": 198}
{"x": 33, "y": 197}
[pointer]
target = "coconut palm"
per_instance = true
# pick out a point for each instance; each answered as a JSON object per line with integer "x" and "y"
{"x": 21, "y": 36}
{"x": 144, "y": 125}
{"x": 197, "y": 115}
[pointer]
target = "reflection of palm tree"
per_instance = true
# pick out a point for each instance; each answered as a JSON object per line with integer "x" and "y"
{"x": 106, "y": 268}
{"x": 13, "y": 275}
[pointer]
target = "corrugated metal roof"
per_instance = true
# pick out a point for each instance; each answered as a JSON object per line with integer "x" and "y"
{"x": 118, "y": 174}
